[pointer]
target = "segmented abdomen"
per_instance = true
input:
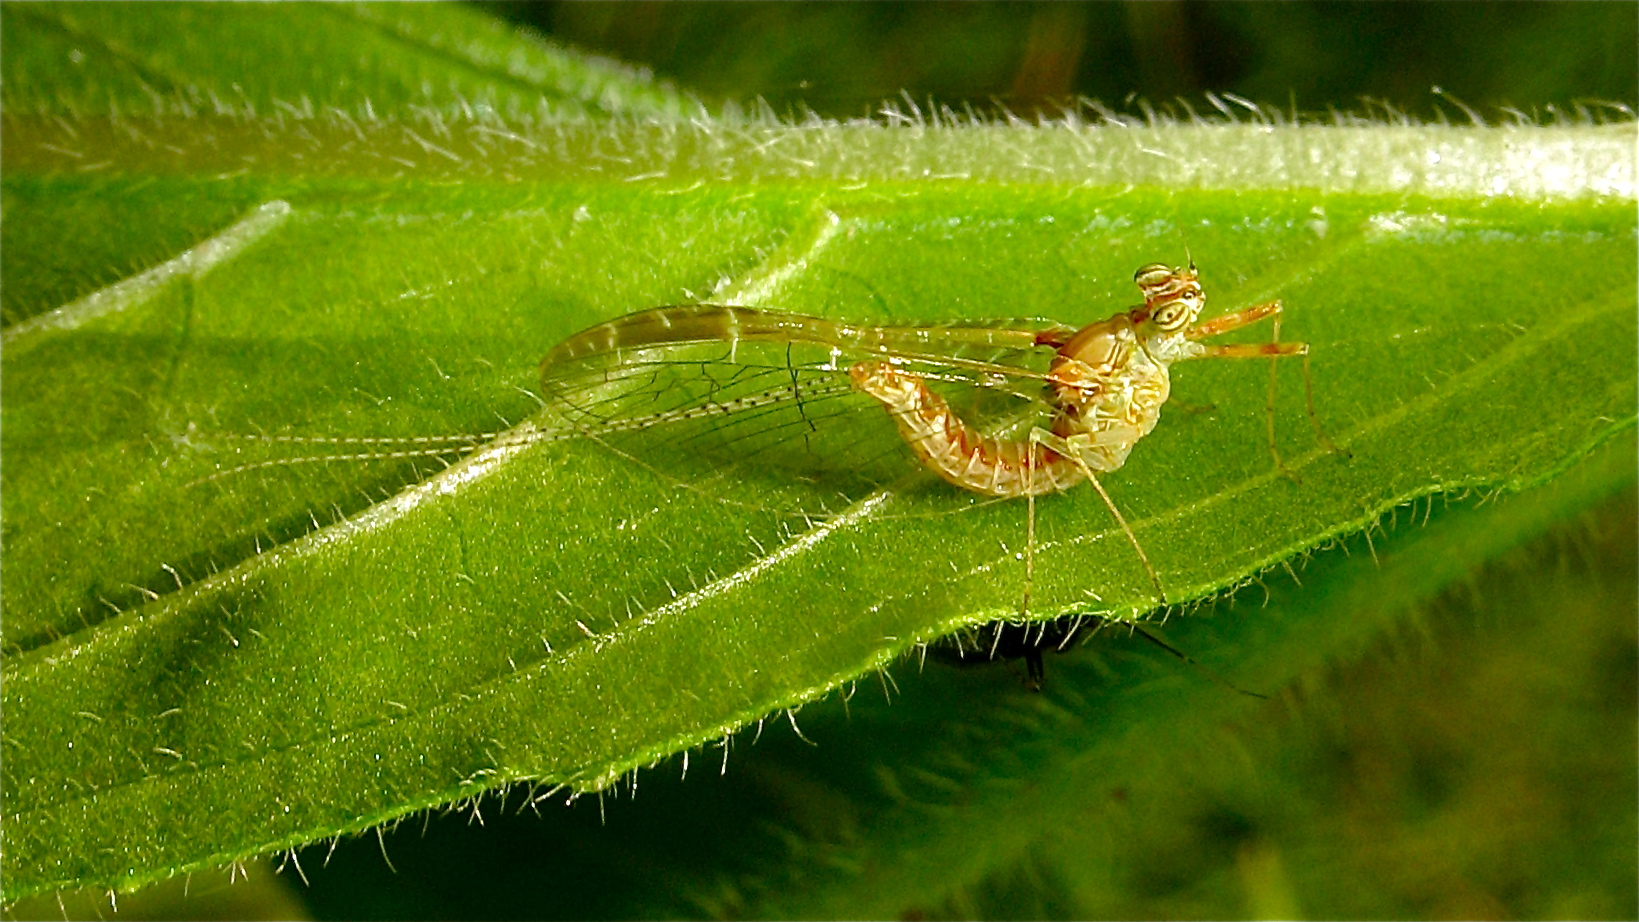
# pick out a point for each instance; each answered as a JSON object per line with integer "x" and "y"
{"x": 956, "y": 451}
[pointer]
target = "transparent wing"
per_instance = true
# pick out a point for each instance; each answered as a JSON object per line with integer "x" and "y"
{"x": 743, "y": 404}
{"x": 720, "y": 396}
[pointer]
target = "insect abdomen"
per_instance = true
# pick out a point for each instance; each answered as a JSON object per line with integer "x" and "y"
{"x": 955, "y": 450}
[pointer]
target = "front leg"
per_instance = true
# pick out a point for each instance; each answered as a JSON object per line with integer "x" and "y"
{"x": 1273, "y": 349}
{"x": 1234, "y": 321}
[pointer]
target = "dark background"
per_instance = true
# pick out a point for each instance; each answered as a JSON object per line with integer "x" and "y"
{"x": 843, "y": 59}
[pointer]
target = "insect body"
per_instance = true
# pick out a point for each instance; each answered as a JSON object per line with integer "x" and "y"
{"x": 1106, "y": 387}
{"x": 755, "y": 388}
{"x": 1103, "y": 390}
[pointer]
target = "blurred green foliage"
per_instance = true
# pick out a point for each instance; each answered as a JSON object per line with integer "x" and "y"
{"x": 843, "y": 59}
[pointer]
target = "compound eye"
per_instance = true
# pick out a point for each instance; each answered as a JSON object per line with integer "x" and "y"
{"x": 1152, "y": 276}
{"x": 1174, "y": 314}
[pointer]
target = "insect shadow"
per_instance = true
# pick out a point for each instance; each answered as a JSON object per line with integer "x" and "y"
{"x": 1007, "y": 642}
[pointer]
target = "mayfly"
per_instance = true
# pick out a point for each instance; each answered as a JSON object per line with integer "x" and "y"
{"x": 745, "y": 388}
{"x": 1101, "y": 391}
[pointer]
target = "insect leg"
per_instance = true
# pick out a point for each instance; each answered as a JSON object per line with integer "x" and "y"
{"x": 1274, "y": 349}
{"x": 1149, "y": 568}
{"x": 1251, "y": 315}
{"x": 1034, "y": 669}
{"x": 1314, "y": 418}
{"x": 1185, "y": 657}
{"x": 1253, "y": 350}
{"x": 1269, "y": 405}
{"x": 1309, "y": 403}
{"x": 1071, "y": 448}
{"x": 1029, "y": 533}
{"x": 1235, "y": 321}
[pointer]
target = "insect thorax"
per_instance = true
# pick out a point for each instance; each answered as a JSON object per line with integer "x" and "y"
{"x": 1117, "y": 402}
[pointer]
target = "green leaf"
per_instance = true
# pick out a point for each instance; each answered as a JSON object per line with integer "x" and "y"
{"x": 1385, "y": 772}
{"x": 184, "y": 61}
{"x": 1384, "y": 777}
{"x": 203, "y": 58}
{"x": 291, "y": 653}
